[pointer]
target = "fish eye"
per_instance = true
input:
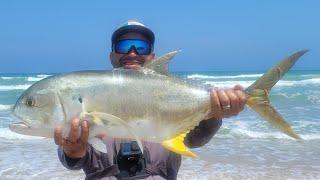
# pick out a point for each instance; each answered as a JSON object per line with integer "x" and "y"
{"x": 30, "y": 102}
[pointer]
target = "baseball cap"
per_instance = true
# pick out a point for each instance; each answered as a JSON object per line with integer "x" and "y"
{"x": 133, "y": 26}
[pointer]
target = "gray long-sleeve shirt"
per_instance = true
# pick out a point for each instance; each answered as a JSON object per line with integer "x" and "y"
{"x": 98, "y": 165}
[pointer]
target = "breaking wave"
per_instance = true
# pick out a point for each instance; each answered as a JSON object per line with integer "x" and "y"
{"x": 199, "y": 76}
{"x": 38, "y": 77}
{"x": 5, "y": 107}
{"x": 33, "y": 79}
{"x": 11, "y": 77}
{"x": 43, "y": 75}
{"x": 6, "y": 78}
{"x": 235, "y": 133}
{"x": 14, "y": 87}
{"x": 313, "y": 81}
{"x": 6, "y": 133}
{"x": 27, "y": 78}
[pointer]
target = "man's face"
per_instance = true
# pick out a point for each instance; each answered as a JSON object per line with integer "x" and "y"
{"x": 132, "y": 60}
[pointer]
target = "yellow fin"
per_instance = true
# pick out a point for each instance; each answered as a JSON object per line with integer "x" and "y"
{"x": 176, "y": 145}
{"x": 97, "y": 120}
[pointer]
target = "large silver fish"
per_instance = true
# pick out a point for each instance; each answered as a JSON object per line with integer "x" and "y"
{"x": 146, "y": 104}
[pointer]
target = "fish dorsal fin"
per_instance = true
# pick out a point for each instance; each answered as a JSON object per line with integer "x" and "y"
{"x": 160, "y": 65}
{"x": 177, "y": 145}
{"x": 104, "y": 118}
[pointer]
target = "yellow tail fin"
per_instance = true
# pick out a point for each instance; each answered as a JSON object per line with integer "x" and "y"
{"x": 177, "y": 145}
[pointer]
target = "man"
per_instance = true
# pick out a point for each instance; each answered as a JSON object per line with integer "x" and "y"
{"x": 132, "y": 47}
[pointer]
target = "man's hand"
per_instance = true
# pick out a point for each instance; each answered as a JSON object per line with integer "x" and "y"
{"x": 74, "y": 146}
{"x": 228, "y": 102}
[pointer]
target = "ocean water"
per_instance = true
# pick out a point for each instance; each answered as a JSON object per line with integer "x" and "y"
{"x": 246, "y": 146}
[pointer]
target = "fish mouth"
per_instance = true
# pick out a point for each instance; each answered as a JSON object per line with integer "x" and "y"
{"x": 26, "y": 128}
{"x": 18, "y": 123}
{"x": 20, "y": 128}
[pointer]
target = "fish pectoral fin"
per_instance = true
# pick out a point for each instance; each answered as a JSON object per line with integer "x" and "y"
{"x": 100, "y": 118}
{"x": 98, "y": 144}
{"x": 177, "y": 145}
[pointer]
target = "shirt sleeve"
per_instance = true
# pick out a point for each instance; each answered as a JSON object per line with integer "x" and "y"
{"x": 202, "y": 133}
{"x": 173, "y": 165}
{"x": 71, "y": 163}
{"x": 94, "y": 163}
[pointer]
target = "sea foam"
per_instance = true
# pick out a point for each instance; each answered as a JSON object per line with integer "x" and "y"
{"x": 33, "y": 79}
{"x": 6, "y": 133}
{"x": 43, "y": 75}
{"x": 281, "y": 83}
{"x": 200, "y": 76}
{"x": 14, "y": 87}
{"x": 235, "y": 133}
{"x": 6, "y": 78}
{"x": 38, "y": 77}
{"x": 11, "y": 77}
{"x": 5, "y": 107}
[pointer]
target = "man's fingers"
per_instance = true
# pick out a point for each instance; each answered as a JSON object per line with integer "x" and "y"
{"x": 84, "y": 132}
{"x": 229, "y": 102}
{"x": 238, "y": 87}
{"x": 234, "y": 101}
{"x": 58, "y": 136}
{"x": 242, "y": 98}
{"x": 74, "y": 130}
{"x": 224, "y": 99}
{"x": 215, "y": 104}
{"x": 58, "y": 139}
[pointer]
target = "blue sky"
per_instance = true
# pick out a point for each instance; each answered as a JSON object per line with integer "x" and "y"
{"x": 62, "y": 36}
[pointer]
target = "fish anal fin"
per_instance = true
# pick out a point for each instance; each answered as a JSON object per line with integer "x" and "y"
{"x": 177, "y": 145}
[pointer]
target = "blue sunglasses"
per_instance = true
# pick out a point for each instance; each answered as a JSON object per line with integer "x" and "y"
{"x": 126, "y": 45}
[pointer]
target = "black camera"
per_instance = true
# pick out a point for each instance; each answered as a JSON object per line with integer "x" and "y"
{"x": 130, "y": 160}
